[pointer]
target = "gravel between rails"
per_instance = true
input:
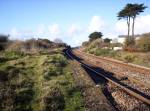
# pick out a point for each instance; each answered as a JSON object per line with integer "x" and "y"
{"x": 124, "y": 101}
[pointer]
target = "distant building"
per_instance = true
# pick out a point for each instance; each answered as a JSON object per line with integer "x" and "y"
{"x": 117, "y": 48}
{"x": 115, "y": 40}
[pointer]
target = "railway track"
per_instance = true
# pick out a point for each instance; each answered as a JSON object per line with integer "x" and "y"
{"x": 129, "y": 91}
{"x": 129, "y": 66}
{"x": 136, "y": 79}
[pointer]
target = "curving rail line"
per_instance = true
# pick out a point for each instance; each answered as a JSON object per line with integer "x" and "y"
{"x": 126, "y": 89}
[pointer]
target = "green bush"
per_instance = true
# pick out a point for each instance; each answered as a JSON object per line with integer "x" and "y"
{"x": 113, "y": 53}
{"x": 129, "y": 58}
{"x": 103, "y": 52}
{"x": 3, "y": 59}
{"x": 14, "y": 54}
{"x": 72, "y": 90}
{"x": 53, "y": 71}
{"x": 3, "y": 76}
{"x": 59, "y": 60}
{"x": 24, "y": 96}
{"x": 54, "y": 100}
{"x": 23, "y": 99}
{"x": 13, "y": 71}
{"x": 91, "y": 51}
{"x": 144, "y": 43}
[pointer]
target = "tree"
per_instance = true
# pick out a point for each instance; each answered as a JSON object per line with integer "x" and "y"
{"x": 129, "y": 41}
{"x": 3, "y": 41}
{"x": 95, "y": 35}
{"x": 125, "y": 14}
{"x": 107, "y": 40}
{"x": 58, "y": 40}
{"x": 136, "y": 9}
{"x": 4, "y": 38}
{"x": 128, "y": 12}
{"x": 86, "y": 43}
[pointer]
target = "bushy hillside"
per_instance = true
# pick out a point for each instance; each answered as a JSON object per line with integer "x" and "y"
{"x": 37, "y": 82}
{"x": 30, "y": 45}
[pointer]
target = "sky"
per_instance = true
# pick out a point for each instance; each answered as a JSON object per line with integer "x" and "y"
{"x": 69, "y": 20}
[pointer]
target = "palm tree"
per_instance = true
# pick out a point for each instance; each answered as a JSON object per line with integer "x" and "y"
{"x": 128, "y": 12}
{"x": 125, "y": 14}
{"x": 136, "y": 9}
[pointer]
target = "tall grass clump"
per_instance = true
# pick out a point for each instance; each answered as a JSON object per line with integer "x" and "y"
{"x": 129, "y": 57}
{"x": 59, "y": 60}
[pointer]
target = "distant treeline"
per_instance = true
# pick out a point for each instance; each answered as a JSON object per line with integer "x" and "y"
{"x": 27, "y": 45}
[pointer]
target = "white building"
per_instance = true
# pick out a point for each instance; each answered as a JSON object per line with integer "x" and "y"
{"x": 122, "y": 38}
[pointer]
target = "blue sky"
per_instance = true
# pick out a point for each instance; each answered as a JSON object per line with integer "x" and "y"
{"x": 69, "y": 20}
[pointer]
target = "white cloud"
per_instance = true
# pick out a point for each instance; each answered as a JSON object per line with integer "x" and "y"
{"x": 15, "y": 34}
{"x": 142, "y": 24}
{"x": 74, "y": 29}
{"x": 54, "y": 29}
{"x": 121, "y": 27}
{"x": 96, "y": 24}
{"x": 76, "y": 34}
{"x": 54, "y": 32}
{"x": 41, "y": 28}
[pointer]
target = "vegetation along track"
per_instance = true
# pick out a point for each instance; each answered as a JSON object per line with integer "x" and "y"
{"x": 134, "y": 93}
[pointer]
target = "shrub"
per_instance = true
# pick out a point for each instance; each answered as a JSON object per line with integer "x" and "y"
{"x": 14, "y": 54}
{"x": 86, "y": 43}
{"x": 72, "y": 90}
{"x": 103, "y": 52}
{"x": 25, "y": 83}
{"x": 53, "y": 71}
{"x": 91, "y": 51}
{"x": 129, "y": 58}
{"x": 59, "y": 60}
{"x": 3, "y": 59}
{"x": 144, "y": 43}
{"x": 23, "y": 99}
{"x": 113, "y": 53}
{"x": 16, "y": 46}
{"x": 3, "y": 41}
{"x": 24, "y": 96}
{"x": 129, "y": 41}
{"x": 54, "y": 100}
{"x": 13, "y": 71}
{"x": 3, "y": 76}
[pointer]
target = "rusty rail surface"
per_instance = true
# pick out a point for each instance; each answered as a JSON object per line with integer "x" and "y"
{"x": 126, "y": 89}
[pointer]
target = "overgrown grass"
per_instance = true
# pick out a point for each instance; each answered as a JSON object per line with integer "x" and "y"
{"x": 40, "y": 82}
